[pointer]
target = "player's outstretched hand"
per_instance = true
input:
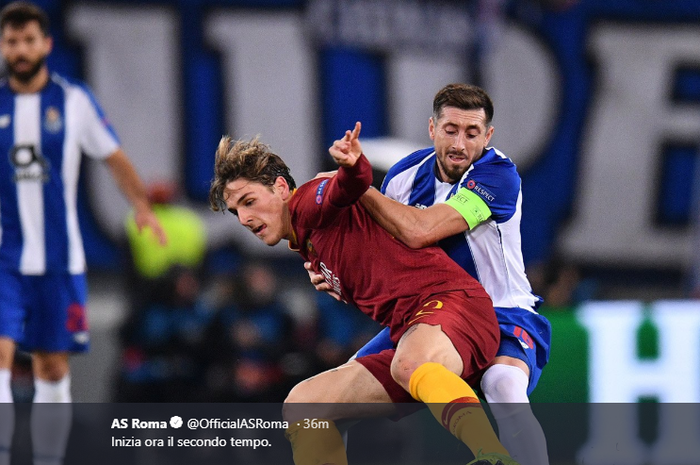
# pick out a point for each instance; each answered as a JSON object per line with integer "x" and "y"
{"x": 144, "y": 217}
{"x": 347, "y": 150}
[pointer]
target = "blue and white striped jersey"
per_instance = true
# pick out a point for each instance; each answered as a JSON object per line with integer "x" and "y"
{"x": 42, "y": 137}
{"x": 491, "y": 252}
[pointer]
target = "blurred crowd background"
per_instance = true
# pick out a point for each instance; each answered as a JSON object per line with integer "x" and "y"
{"x": 597, "y": 102}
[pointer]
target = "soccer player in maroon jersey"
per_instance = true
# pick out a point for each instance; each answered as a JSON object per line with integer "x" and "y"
{"x": 440, "y": 317}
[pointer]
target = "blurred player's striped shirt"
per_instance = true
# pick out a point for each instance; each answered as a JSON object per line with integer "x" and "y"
{"x": 413, "y": 181}
{"x": 42, "y": 137}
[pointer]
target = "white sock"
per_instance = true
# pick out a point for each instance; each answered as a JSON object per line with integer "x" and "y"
{"x": 505, "y": 389}
{"x": 51, "y": 419}
{"x": 52, "y": 392}
{"x": 7, "y": 416}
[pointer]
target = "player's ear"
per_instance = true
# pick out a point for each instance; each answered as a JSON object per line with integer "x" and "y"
{"x": 489, "y": 134}
{"x": 48, "y": 44}
{"x": 282, "y": 187}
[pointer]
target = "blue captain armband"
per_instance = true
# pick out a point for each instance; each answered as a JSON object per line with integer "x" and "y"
{"x": 472, "y": 207}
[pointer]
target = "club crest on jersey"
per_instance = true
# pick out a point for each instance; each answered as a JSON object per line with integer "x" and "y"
{"x": 319, "y": 191}
{"x": 30, "y": 165}
{"x": 310, "y": 250}
{"x": 481, "y": 190}
{"x": 53, "y": 122}
{"x": 5, "y": 121}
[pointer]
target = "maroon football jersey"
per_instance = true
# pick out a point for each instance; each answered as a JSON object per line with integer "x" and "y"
{"x": 367, "y": 266}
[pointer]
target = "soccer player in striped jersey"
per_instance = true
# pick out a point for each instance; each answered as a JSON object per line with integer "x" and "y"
{"x": 466, "y": 196}
{"x": 441, "y": 319}
{"x": 46, "y": 123}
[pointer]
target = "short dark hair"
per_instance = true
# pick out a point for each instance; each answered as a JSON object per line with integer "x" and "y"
{"x": 247, "y": 159}
{"x": 17, "y": 14}
{"x": 464, "y": 97}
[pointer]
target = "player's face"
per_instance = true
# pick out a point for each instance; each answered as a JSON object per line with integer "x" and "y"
{"x": 25, "y": 50}
{"x": 460, "y": 137}
{"x": 261, "y": 209}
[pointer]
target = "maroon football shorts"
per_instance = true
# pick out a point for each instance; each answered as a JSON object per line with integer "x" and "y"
{"x": 470, "y": 323}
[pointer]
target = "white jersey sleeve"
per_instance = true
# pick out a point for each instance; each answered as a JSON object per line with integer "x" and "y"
{"x": 95, "y": 135}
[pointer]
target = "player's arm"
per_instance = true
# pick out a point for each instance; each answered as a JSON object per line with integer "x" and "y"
{"x": 421, "y": 227}
{"x": 97, "y": 139}
{"x": 133, "y": 189}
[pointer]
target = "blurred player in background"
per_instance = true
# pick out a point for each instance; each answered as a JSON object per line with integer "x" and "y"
{"x": 466, "y": 196}
{"x": 441, "y": 318}
{"x": 46, "y": 123}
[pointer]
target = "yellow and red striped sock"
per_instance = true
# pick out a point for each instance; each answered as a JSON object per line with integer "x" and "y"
{"x": 456, "y": 406}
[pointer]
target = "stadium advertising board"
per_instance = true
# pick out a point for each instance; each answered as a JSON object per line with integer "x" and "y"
{"x": 635, "y": 366}
{"x": 624, "y": 351}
